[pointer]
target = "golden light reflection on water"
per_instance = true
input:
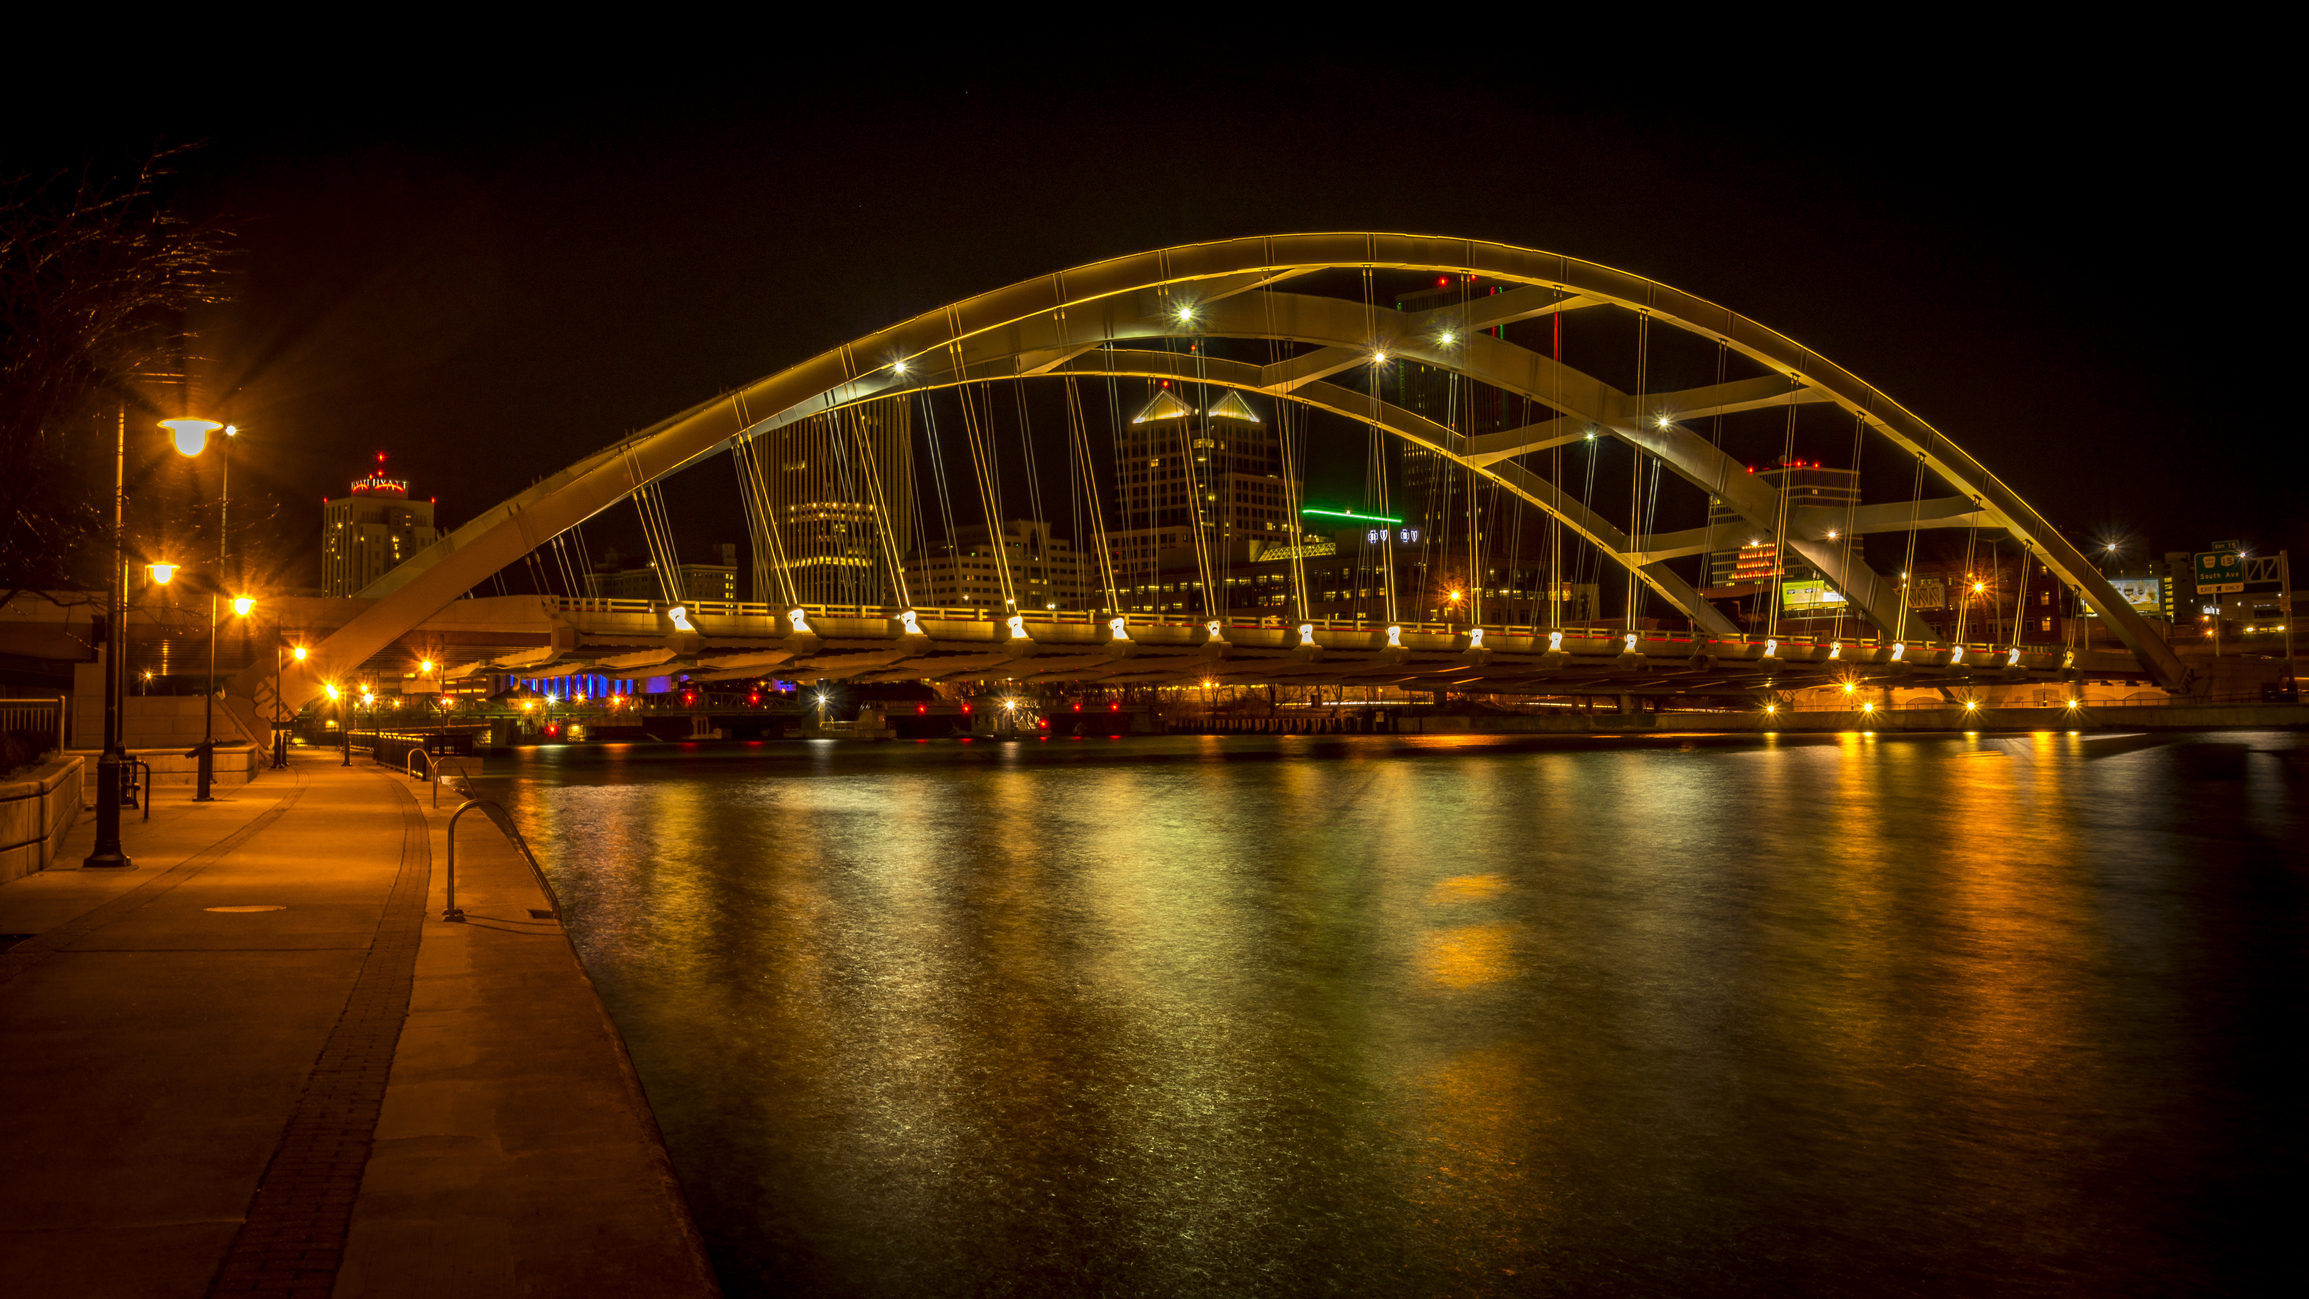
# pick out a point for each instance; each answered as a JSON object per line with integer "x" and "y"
{"x": 1402, "y": 1018}
{"x": 1466, "y": 888}
{"x": 1467, "y": 956}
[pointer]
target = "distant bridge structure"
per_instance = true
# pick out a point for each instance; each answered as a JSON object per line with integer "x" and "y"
{"x": 1127, "y": 317}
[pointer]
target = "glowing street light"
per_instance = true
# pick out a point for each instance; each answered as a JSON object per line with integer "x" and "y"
{"x": 298, "y": 653}
{"x": 242, "y": 604}
{"x": 191, "y": 433}
{"x": 161, "y": 573}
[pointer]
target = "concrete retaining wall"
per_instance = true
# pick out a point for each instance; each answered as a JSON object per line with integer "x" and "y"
{"x": 236, "y": 764}
{"x": 151, "y": 721}
{"x": 2176, "y": 717}
{"x": 36, "y": 813}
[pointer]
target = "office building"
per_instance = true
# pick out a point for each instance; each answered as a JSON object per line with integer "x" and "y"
{"x": 839, "y": 490}
{"x": 370, "y": 531}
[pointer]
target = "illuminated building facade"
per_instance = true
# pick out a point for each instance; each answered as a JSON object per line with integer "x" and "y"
{"x": 370, "y": 531}
{"x": 1180, "y": 467}
{"x": 840, "y": 491}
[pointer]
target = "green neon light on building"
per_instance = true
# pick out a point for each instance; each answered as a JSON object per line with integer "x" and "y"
{"x": 1350, "y": 514}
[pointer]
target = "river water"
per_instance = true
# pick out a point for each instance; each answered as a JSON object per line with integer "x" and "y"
{"x": 1394, "y": 1015}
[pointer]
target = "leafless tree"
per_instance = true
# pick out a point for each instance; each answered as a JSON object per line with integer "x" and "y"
{"x": 96, "y": 275}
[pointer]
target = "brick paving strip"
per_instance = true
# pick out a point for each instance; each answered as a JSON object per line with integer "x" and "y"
{"x": 32, "y": 951}
{"x": 294, "y": 1235}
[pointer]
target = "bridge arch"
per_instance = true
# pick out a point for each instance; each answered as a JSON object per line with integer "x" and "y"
{"x": 1075, "y": 321}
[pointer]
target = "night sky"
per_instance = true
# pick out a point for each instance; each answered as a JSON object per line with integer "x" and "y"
{"x": 486, "y": 280}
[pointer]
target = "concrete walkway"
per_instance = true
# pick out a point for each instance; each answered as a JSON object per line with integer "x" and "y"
{"x": 335, "y": 1093}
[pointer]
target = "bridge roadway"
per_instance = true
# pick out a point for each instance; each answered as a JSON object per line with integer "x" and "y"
{"x": 710, "y": 641}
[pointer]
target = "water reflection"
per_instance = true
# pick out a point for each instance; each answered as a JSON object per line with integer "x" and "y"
{"x": 1977, "y": 1015}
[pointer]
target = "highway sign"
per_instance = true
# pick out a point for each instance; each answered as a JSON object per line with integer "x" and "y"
{"x": 2219, "y": 571}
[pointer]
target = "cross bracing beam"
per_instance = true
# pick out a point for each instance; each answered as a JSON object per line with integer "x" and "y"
{"x": 1815, "y": 523}
{"x": 1098, "y": 302}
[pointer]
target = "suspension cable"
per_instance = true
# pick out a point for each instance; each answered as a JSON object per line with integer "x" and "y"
{"x": 1079, "y": 434}
{"x": 945, "y": 495}
{"x": 1780, "y": 520}
{"x": 1852, "y": 512}
{"x": 983, "y": 469}
{"x": 657, "y": 531}
{"x": 1908, "y": 564}
{"x": 877, "y": 501}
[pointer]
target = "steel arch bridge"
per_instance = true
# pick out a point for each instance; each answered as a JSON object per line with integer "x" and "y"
{"x": 1113, "y": 318}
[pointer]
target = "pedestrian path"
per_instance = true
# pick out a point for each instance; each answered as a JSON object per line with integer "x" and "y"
{"x": 195, "y": 1056}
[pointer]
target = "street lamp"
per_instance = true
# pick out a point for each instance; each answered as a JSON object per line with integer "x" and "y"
{"x": 207, "y": 770}
{"x": 344, "y": 724}
{"x": 280, "y": 734}
{"x": 191, "y": 435}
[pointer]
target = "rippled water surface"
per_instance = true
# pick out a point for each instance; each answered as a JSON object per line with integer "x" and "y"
{"x": 1295, "y": 1015}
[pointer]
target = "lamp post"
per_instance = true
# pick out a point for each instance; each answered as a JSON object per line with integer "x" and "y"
{"x": 280, "y": 735}
{"x": 191, "y": 434}
{"x": 241, "y": 604}
{"x": 112, "y": 764}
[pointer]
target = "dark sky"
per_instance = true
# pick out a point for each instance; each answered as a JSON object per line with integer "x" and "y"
{"x": 486, "y": 281}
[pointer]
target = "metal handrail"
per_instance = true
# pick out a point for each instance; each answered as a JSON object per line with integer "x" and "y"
{"x": 464, "y": 777}
{"x": 144, "y": 797}
{"x": 409, "y": 763}
{"x": 504, "y": 822}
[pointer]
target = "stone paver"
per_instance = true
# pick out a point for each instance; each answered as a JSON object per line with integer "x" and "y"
{"x": 203, "y": 1101}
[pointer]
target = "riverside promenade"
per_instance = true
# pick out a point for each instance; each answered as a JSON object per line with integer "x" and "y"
{"x": 261, "y": 1063}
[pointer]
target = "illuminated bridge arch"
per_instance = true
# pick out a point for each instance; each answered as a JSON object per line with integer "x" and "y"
{"x": 1101, "y": 319}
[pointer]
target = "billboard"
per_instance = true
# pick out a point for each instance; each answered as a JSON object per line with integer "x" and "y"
{"x": 1810, "y": 595}
{"x": 2144, "y": 594}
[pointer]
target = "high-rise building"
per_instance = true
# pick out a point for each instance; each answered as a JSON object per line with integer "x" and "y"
{"x": 1758, "y": 560}
{"x": 1180, "y": 468}
{"x": 839, "y": 490}
{"x": 370, "y": 531}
